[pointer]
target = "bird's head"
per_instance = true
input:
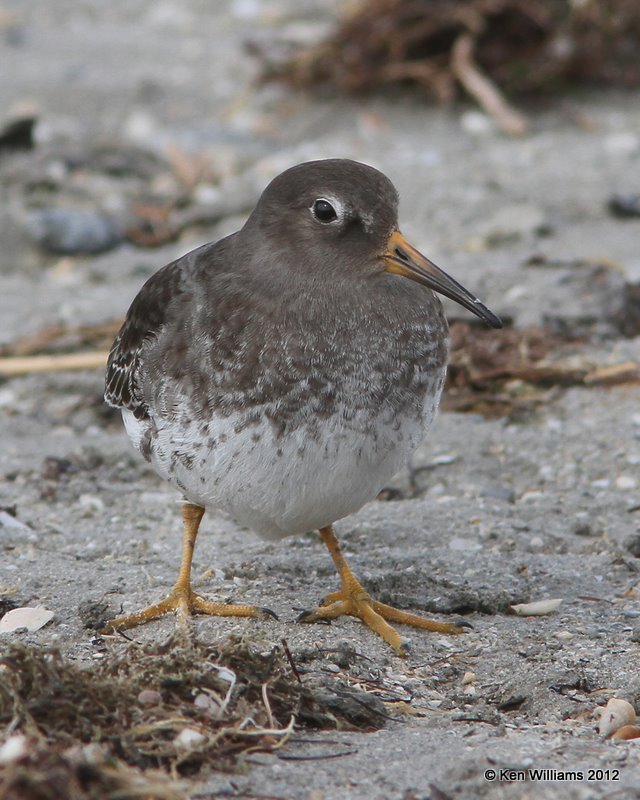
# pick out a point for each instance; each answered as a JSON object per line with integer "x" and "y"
{"x": 338, "y": 216}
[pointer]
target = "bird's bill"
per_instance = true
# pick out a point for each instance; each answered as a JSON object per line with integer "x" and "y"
{"x": 401, "y": 258}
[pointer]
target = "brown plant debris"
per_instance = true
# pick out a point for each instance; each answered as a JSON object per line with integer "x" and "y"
{"x": 181, "y": 708}
{"x": 62, "y": 338}
{"x": 520, "y": 368}
{"x": 521, "y": 46}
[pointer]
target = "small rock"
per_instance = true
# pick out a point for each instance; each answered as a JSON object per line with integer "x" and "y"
{"x": 536, "y": 544}
{"x": 615, "y": 714}
{"x": 91, "y": 505}
{"x": 626, "y": 482}
{"x": 53, "y": 467}
{"x": 94, "y": 614}
{"x": 477, "y": 124}
{"x": 205, "y": 703}
{"x": 624, "y": 206}
{"x": 26, "y": 617}
{"x": 150, "y": 697}
{"x": 17, "y": 134}
{"x": 362, "y": 709}
{"x": 585, "y": 528}
{"x": 505, "y": 493}
{"x": 345, "y": 655}
{"x": 69, "y": 232}
{"x": 531, "y": 496}
{"x": 632, "y": 543}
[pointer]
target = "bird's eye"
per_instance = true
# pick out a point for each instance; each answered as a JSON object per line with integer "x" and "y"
{"x": 323, "y": 211}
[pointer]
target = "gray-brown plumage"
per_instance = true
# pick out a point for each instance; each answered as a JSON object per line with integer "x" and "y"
{"x": 284, "y": 373}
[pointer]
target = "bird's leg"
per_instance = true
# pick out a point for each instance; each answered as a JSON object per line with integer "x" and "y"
{"x": 182, "y": 599}
{"x": 353, "y": 599}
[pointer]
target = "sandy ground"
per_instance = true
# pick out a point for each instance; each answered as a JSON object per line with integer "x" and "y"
{"x": 519, "y": 508}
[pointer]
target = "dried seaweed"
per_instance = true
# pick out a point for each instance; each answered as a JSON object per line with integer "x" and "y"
{"x": 497, "y": 375}
{"x": 180, "y": 708}
{"x": 521, "y": 46}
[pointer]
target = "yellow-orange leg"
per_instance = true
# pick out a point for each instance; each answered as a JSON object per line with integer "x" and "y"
{"x": 182, "y": 599}
{"x": 353, "y": 599}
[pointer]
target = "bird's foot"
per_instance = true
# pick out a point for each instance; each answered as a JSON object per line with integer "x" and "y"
{"x": 185, "y": 603}
{"x": 356, "y": 602}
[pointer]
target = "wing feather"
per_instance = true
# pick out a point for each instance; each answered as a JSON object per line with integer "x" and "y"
{"x": 144, "y": 321}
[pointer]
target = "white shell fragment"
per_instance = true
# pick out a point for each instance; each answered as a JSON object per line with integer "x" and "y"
{"x": 539, "y": 608}
{"x": 616, "y": 713}
{"x": 468, "y": 678}
{"x": 14, "y": 749}
{"x": 26, "y": 617}
{"x": 189, "y": 739}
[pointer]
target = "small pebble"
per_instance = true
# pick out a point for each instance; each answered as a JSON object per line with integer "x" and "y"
{"x": 632, "y": 543}
{"x": 445, "y": 458}
{"x": 626, "y": 482}
{"x": 468, "y": 677}
{"x": 207, "y": 704}
{"x": 69, "y": 232}
{"x": 149, "y": 697}
{"x": 477, "y": 124}
{"x": 529, "y": 497}
{"x": 505, "y": 493}
{"x": 91, "y": 505}
{"x": 585, "y": 528}
{"x": 536, "y": 543}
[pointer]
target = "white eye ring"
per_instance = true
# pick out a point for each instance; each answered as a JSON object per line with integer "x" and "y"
{"x": 327, "y": 210}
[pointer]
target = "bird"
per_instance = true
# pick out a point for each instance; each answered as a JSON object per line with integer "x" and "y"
{"x": 286, "y": 372}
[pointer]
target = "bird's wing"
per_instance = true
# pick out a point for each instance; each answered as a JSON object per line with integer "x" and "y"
{"x": 145, "y": 319}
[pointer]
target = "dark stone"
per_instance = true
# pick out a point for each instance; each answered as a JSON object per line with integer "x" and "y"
{"x": 632, "y": 543}
{"x": 624, "y": 206}
{"x": 68, "y": 232}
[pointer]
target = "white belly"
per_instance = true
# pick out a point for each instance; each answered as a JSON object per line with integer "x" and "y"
{"x": 279, "y": 485}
